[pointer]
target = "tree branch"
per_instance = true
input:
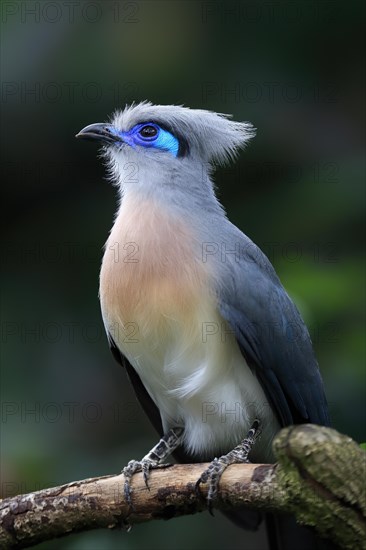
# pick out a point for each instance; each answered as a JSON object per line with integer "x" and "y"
{"x": 319, "y": 477}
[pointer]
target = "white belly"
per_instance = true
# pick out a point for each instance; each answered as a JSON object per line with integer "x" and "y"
{"x": 201, "y": 381}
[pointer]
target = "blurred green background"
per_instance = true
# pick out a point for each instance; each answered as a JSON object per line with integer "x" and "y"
{"x": 293, "y": 69}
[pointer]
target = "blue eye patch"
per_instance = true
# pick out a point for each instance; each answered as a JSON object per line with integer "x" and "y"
{"x": 151, "y": 135}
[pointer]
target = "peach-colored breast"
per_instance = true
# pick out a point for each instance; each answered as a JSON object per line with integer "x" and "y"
{"x": 149, "y": 269}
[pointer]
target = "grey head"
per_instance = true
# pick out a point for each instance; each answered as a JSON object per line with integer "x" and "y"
{"x": 167, "y": 145}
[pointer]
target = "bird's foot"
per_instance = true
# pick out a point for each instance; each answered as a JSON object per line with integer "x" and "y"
{"x": 238, "y": 455}
{"x": 167, "y": 444}
{"x": 135, "y": 466}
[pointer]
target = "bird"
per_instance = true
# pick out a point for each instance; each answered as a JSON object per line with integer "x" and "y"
{"x": 215, "y": 348}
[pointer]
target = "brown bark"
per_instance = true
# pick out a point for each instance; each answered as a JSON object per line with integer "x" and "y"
{"x": 320, "y": 477}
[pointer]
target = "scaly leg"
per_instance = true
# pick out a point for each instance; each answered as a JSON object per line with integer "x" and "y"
{"x": 167, "y": 444}
{"x": 238, "y": 455}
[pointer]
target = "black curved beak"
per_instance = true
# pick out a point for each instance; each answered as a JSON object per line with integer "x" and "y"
{"x": 100, "y": 131}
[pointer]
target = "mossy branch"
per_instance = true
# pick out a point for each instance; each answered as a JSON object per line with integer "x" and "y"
{"x": 320, "y": 478}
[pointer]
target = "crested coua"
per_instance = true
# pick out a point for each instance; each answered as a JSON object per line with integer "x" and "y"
{"x": 215, "y": 348}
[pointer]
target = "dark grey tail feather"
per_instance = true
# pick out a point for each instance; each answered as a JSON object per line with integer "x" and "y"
{"x": 283, "y": 533}
{"x": 245, "y": 518}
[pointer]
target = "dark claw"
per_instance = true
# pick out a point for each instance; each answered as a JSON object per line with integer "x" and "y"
{"x": 146, "y": 475}
{"x": 210, "y": 507}
{"x": 127, "y": 490}
{"x": 197, "y": 487}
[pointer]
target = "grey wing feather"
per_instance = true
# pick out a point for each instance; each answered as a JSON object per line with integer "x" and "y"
{"x": 273, "y": 338}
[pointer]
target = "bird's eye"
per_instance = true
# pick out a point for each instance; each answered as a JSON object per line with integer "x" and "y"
{"x": 148, "y": 131}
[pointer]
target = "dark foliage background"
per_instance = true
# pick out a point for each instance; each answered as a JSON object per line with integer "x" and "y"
{"x": 295, "y": 70}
